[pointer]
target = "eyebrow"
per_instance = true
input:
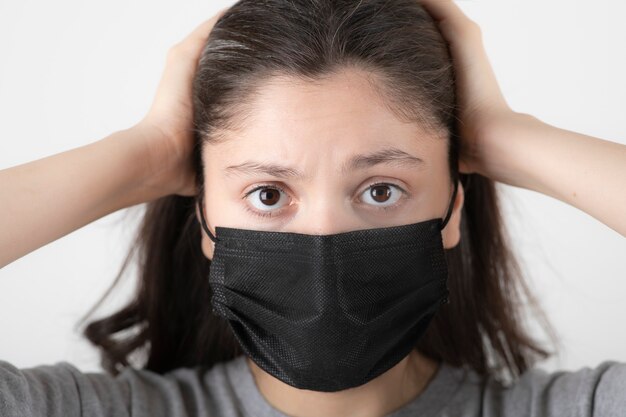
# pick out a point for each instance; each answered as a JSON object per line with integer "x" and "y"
{"x": 387, "y": 156}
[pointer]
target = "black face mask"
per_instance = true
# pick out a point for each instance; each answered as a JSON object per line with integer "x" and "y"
{"x": 329, "y": 312}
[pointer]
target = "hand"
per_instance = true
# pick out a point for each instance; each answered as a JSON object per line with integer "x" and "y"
{"x": 482, "y": 107}
{"x": 167, "y": 127}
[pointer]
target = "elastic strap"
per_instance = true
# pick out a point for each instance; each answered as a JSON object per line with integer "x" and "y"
{"x": 202, "y": 219}
{"x": 450, "y": 207}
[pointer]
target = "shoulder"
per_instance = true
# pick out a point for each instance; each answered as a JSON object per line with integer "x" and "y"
{"x": 62, "y": 389}
{"x": 590, "y": 391}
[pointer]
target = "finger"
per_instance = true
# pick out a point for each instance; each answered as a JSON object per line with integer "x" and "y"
{"x": 445, "y": 9}
{"x": 197, "y": 38}
{"x": 466, "y": 45}
{"x": 452, "y": 21}
{"x": 182, "y": 60}
{"x": 201, "y": 32}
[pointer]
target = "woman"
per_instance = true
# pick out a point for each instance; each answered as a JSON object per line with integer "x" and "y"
{"x": 325, "y": 180}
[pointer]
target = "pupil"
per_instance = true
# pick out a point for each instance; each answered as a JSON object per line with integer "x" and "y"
{"x": 269, "y": 194}
{"x": 380, "y": 193}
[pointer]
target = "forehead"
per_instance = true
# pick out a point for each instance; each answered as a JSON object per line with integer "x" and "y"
{"x": 343, "y": 113}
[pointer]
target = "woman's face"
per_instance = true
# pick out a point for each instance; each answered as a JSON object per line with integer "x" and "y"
{"x": 326, "y": 158}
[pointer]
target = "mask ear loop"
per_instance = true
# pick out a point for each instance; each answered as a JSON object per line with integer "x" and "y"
{"x": 445, "y": 221}
{"x": 202, "y": 219}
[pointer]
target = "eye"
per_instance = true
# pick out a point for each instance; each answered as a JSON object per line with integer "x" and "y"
{"x": 382, "y": 195}
{"x": 266, "y": 198}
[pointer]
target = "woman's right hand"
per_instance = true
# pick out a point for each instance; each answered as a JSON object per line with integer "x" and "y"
{"x": 167, "y": 127}
{"x": 46, "y": 199}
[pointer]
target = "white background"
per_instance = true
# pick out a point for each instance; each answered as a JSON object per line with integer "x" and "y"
{"x": 72, "y": 72}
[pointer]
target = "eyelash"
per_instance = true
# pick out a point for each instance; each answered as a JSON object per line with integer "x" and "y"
{"x": 273, "y": 186}
{"x": 260, "y": 187}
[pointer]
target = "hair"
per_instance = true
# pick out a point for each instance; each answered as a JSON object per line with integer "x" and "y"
{"x": 398, "y": 45}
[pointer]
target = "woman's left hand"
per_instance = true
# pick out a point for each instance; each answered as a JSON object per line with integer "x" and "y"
{"x": 480, "y": 102}
{"x": 517, "y": 148}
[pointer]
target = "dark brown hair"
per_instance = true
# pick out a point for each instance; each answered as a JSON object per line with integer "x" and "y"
{"x": 398, "y": 44}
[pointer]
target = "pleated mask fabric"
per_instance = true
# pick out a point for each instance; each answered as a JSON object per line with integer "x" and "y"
{"x": 329, "y": 312}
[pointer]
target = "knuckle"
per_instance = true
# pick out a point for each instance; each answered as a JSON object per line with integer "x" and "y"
{"x": 174, "y": 52}
{"x": 473, "y": 29}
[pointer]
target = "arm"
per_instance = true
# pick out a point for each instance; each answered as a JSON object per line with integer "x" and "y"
{"x": 519, "y": 149}
{"x": 46, "y": 199}
{"x": 62, "y": 390}
{"x": 586, "y": 172}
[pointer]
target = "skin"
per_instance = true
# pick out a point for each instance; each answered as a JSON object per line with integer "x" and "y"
{"x": 315, "y": 129}
{"x": 152, "y": 159}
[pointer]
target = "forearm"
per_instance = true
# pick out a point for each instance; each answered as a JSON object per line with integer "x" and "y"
{"x": 46, "y": 199}
{"x": 586, "y": 172}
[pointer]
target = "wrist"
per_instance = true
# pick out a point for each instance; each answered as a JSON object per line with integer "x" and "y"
{"x": 165, "y": 166}
{"x": 509, "y": 147}
{"x": 139, "y": 164}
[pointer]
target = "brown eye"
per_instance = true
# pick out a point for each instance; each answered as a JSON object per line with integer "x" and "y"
{"x": 267, "y": 199}
{"x": 380, "y": 193}
{"x": 269, "y": 196}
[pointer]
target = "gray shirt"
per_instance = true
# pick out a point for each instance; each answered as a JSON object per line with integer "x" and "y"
{"x": 228, "y": 390}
